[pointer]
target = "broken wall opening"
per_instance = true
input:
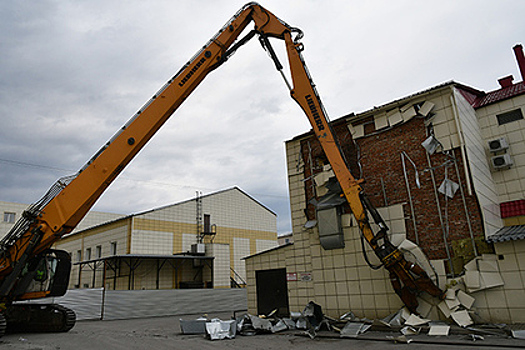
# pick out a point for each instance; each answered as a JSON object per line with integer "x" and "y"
{"x": 434, "y": 219}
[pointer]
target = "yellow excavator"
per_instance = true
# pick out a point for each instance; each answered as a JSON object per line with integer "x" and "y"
{"x": 31, "y": 269}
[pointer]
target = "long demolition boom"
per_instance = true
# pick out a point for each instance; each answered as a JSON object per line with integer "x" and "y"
{"x": 70, "y": 199}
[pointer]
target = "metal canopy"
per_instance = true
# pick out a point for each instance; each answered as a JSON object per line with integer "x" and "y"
{"x": 133, "y": 261}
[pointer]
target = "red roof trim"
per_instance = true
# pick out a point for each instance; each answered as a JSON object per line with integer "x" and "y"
{"x": 499, "y": 95}
{"x": 513, "y": 208}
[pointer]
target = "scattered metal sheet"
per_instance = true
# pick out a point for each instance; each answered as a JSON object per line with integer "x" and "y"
{"x": 448, "y": 188}
{"x": 295, "y": 314}
{"x": 439, "y": 330}
{"x": 353, "y": 329}
{"x": 407, "y": 330}
{"x": 289, "y": 323}
{"x": 452, "y": 304}
{"x": 490, "y": 280}
{"x": 444, "y": 309}
{"x": 197, "y": 326}
{"x": 279, "y": 327}
{"x": 518, "y": 334}
{"x": 426, "y": 108}
{"x": 381, "y": 323}
{"x": 450, "y": 294}
{"x": 462, "y": 318}
{"x": 415, "y": 320}
{"x": 260, "y": 323}
{"x": 301, "y": 323}
{"x": 400, "y": 339}
{"x": 465, "y": 299}
{"x": 424, "y": 309}
{"x": 475, "y": 337}
{"x": 349, "y": 316}
{"x": 218, "y": 329}
{"x": 472, "y": 280}
{"x": 314, "y": 315}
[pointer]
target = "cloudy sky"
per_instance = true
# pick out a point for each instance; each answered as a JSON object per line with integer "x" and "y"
{"x": 73, "y": 72}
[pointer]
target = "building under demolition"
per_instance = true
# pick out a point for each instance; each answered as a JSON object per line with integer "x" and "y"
{"x": 446, "y": 169}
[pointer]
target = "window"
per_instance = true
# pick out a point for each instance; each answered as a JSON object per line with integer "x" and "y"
{"x": 509, "y": 117}
{"x": 207, "y": 223}
{"x": 113, "y": 249}
{"x": 9, "y": 217}
{"x": 88, "y": 254}
{"x": 98, "y": 252}
{"x": 79, "y": 255}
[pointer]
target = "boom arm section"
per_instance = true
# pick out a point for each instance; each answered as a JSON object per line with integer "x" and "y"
{"x": 69, "y": 200}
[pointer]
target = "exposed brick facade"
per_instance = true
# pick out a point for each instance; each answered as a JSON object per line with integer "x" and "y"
{"x": 382, "y": 170}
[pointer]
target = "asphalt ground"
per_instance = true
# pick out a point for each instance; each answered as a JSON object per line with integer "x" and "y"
{"x": 165, "y": 333}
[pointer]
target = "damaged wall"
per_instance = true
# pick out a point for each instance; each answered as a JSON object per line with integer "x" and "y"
{"x": 447, "y": 223}
{"x": 451, "y": 212}
{"x": 383, "y": 138}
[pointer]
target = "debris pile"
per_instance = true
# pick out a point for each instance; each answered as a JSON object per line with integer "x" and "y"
{"x": 399, "y": 326}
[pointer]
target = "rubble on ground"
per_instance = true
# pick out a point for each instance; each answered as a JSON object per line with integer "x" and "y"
{"x": 457, "y": 317}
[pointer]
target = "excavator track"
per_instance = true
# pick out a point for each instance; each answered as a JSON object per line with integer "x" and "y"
{"x": 39, "y": 318}
{"x": 3, "y": 325}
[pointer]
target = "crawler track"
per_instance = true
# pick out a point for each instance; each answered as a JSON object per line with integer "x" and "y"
{"x": 39, "y": 318}
{"x": 3, "y": 325}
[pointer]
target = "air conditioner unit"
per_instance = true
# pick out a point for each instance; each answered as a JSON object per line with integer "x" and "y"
{"x": 198, "y": 249}
{"x": 501, "y": 162}
{"x": 497, "y": 145}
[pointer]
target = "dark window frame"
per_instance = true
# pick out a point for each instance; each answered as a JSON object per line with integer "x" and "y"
{"x": 509, "y": 117}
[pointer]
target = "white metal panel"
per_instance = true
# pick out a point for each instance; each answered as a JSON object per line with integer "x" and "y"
{"x": 481, "y": 176}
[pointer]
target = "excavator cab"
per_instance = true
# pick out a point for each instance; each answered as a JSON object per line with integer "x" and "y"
{"x": 46, "y": 275}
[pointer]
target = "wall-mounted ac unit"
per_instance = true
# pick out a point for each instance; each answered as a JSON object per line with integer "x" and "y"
{"x": 502, "y": 161}
{"x": 497, "y": 145}
{"x": 198, "y": 249}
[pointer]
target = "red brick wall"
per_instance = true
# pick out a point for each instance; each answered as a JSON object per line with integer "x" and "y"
{"x": 380, "y": 154}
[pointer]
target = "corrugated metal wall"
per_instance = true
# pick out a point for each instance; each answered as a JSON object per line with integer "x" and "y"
{"x": 92, "y": 304}
{"x": 87, "y": 303}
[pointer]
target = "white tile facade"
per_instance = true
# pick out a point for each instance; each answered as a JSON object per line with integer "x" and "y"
{"x": 151, "y": 242}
